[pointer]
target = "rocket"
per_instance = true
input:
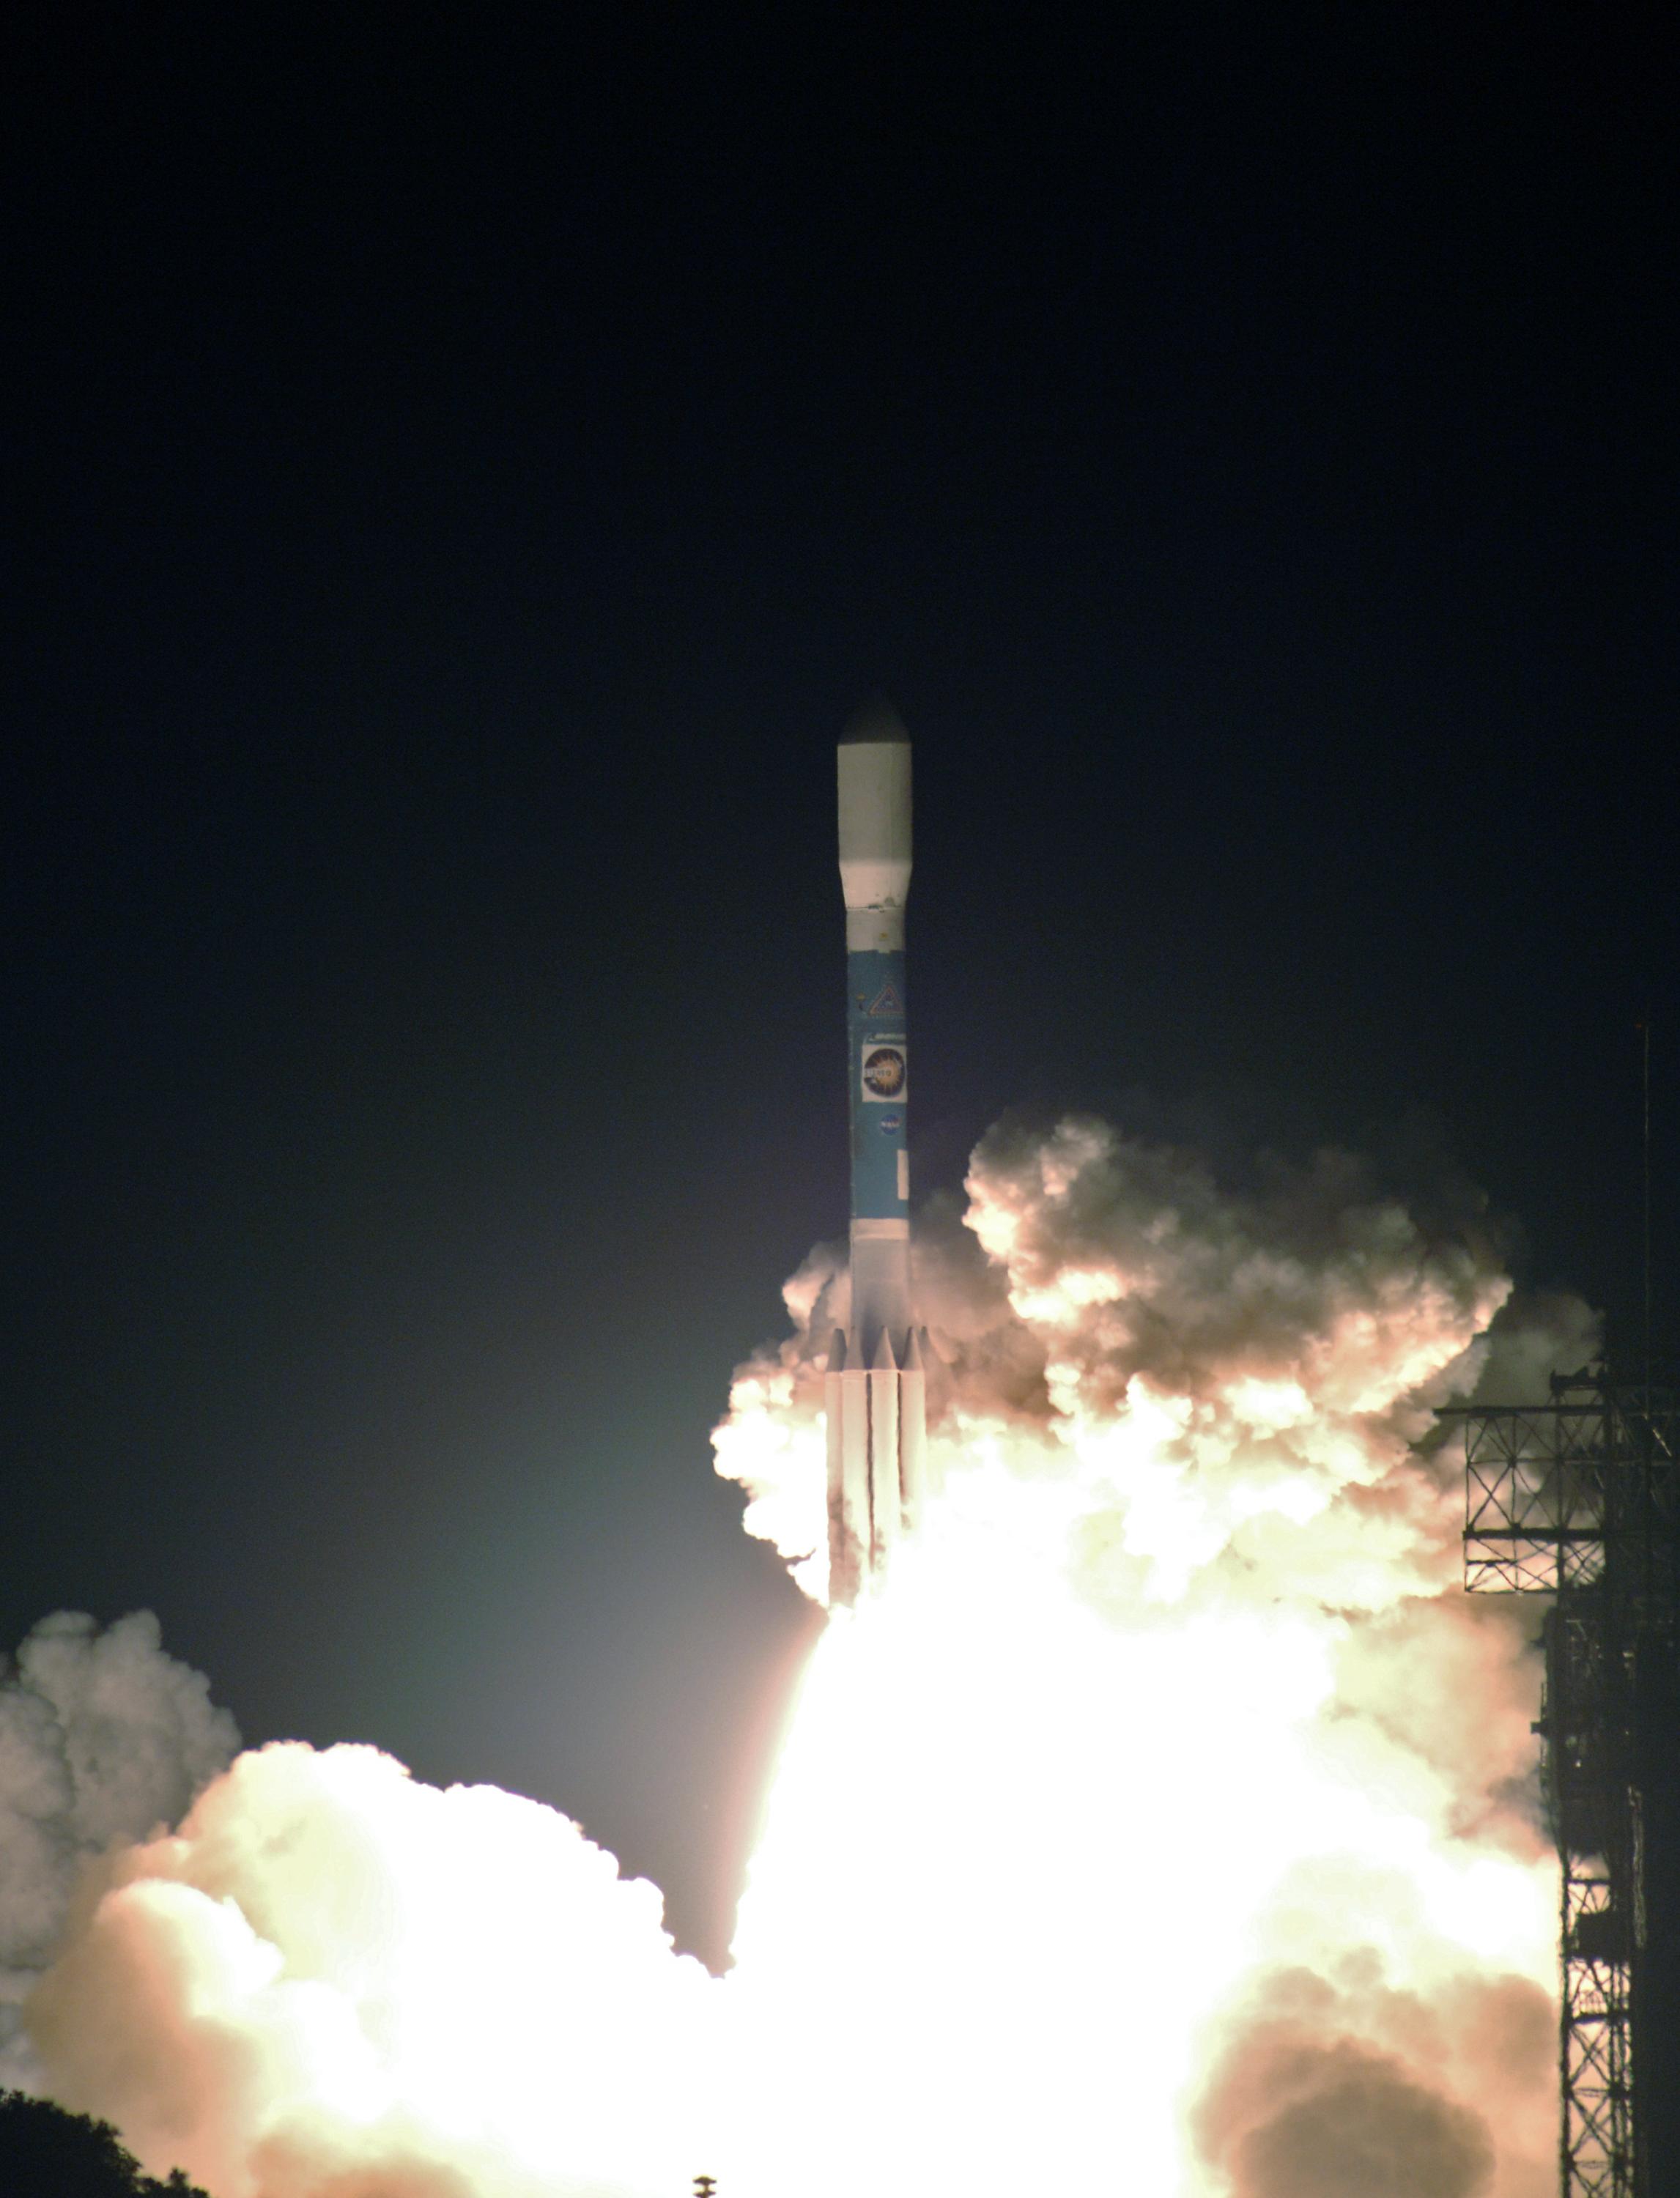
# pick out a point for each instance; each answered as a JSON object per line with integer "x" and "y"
{"x": 875, "y": 1391}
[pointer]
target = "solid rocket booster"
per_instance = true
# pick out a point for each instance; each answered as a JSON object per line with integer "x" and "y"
{"x": 875, "y": 1389}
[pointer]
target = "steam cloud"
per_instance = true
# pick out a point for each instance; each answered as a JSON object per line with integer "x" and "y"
{"x": 1348, "y": 2090}
{"x": 1168, "y": 1824}
{"x": 335, "y": 1979}
{"x": 103, "y": 1739}
{"x": 1202, "y": 1408}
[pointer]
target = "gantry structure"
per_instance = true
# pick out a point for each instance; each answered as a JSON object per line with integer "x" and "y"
{"x": 1577, "y": 1499}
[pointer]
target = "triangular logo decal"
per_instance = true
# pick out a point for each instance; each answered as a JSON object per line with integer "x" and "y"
{"x": 886, "y": 1002}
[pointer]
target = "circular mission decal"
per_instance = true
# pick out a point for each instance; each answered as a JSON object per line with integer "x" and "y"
{"x": 884, "y": 1072}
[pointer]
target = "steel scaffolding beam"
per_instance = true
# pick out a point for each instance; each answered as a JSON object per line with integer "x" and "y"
{"x": 1579, "y": 1499}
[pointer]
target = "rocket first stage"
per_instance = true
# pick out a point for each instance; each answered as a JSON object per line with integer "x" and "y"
{"x": 875, "y": 1389}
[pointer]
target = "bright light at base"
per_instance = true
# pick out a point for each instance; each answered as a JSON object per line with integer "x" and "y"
{"x": 1162, "y": 1828}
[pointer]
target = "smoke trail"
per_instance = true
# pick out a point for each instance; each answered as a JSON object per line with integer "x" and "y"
{"x": 102, "y": 1739}
{"x": 1166, "y": 1826}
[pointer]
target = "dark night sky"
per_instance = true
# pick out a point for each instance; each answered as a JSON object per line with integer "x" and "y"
{"x": 464, "y": 466}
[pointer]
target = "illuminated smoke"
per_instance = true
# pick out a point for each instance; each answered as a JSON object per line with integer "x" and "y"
{"x": 337, "y": 1979}
{"x": 1167, "y": 1827}
{"x": 1349, "y": 2089}
{"x": 102, "y": 1738}
{"x": 1179, "y": 1707}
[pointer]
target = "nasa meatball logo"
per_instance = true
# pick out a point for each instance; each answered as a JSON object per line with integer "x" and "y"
{"x": 884, "y": 1072}
{"x": 890, "y": 1124}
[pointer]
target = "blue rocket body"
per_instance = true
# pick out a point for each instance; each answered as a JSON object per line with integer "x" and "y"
{"x": 875, "y": 1387}
{"x": 880, "y": 1086}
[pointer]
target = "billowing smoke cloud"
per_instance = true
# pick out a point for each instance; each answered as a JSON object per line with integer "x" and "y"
{"x": 1130, "y": 1261}
{"x": 1341, "y": 2121}
{"x": 1201, "y": 1409}
{"x": 1167, "y": 1824}
{"x": 1347, "y": 2090}
{"x": 335, "y": 1979}
{"x": 1286, "y": 1342}
{"x": 103, "y": 1739}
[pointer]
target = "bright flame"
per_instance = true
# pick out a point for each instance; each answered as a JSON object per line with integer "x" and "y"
{"x": 1162, "y": 1828}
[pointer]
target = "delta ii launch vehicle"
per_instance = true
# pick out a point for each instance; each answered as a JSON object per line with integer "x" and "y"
{"x": 875, "y": 1388}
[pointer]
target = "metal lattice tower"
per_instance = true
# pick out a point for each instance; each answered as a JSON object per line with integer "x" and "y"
{"x": 1579, "y": 1499}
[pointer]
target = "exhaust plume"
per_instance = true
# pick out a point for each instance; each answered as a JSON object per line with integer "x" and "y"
{"x": 1165, "y": 1822}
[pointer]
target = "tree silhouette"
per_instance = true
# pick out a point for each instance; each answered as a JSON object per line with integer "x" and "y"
{"x": 45, "y": 2152}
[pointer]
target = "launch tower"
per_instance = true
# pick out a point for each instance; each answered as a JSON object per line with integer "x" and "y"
{"x": 1579, "y": 1498}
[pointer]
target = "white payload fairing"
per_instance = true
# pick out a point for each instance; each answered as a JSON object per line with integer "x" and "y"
{"x": 875, "y": 1388}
